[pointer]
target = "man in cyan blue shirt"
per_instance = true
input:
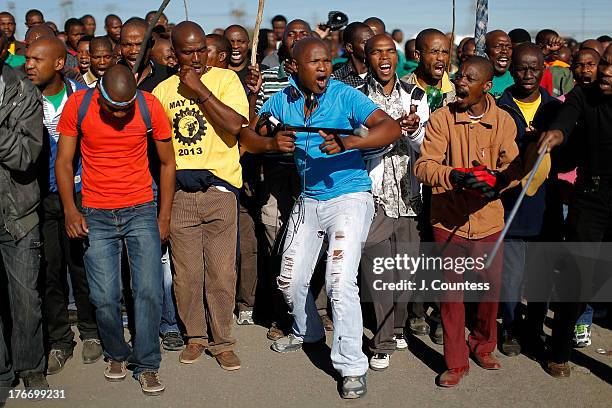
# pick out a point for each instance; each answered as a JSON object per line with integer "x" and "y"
{"x": 335, "y": 202}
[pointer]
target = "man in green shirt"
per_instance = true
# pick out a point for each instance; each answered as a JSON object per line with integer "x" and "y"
{"x": 499, "y": 51}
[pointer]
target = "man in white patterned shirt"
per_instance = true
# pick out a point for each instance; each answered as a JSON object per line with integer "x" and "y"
{"x": 396, "y": 192}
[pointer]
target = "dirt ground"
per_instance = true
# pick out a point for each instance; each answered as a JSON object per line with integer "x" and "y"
{"x": 301, "y": 379}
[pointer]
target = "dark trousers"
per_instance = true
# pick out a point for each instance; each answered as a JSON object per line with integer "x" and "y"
{"x": 483, "y": 335}
{"x": 247, "y": 264}
{"x": 386, "y": 238}
{"x": 589, "y": 220}
{"x": 277, "y": 194}
{"x": 418, "y": 308}
{"x": 21, "y": 261}
{"x": 61, "y": 252}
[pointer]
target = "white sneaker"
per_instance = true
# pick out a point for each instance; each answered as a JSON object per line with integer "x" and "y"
{"x": 245, "y": 317}
{"x": 379, "y": 361}
{"x": 582, "y": 335}
{"x": 400, "y": 342}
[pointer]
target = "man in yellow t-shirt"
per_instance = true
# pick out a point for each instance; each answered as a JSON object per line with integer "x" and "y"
{"x": 207, "y": 108}
{"x": 533, "y": 110}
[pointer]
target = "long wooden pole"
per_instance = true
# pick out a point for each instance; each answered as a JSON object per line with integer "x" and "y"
{"x": 260, "y": 9}
{"x": 452, "y": 39}
{"x": 152, "y": 25}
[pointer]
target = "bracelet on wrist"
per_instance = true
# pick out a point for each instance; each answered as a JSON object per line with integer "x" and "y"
{"x": 201, "y": 101}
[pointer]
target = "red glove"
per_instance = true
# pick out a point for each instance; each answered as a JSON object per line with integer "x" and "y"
{"x": 482, "y": 180}
{"x": 481, "y": 173}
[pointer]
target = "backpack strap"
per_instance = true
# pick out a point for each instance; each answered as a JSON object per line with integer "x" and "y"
{"x": 69, "y": 89}
{"x": 144, "y": 112}
{"x": 83, "y": 107}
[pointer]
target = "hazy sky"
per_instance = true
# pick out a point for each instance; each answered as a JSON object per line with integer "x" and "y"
{"x": 579, "y": 18}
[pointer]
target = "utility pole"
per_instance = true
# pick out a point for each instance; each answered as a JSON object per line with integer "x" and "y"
{"x": 67, "y": 11}
{"x": 583, "y": 20}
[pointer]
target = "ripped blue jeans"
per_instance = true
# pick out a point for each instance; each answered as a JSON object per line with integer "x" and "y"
{"x": 345, "y": 220}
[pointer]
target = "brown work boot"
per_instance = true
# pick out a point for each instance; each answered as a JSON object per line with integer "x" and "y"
{"x": 150, "y": 384}
{"x": 557, "y": 370}
{"x": 191, "y": 353}
{"x": 115, "y": 371}
{"x": 487, "y": 361}
{"x": 274, "y": 333}
{"x": 327, "y": 323}
{"x": 228, "y": 360}
{"x": 452, "y": 377}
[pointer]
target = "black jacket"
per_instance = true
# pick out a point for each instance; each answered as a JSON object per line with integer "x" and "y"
{"x": 586, "y": 122}
{"x": 21, "y": 141}
{"x": 529, "y": 219}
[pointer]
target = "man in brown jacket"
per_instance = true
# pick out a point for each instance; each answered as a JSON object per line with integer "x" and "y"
{"x": 468, "y": 156}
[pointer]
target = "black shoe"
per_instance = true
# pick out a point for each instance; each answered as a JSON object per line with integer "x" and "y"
{"x": 5, "y": 388}
{"x": 35, "y": 381}
{"x": 173, "y": 341}
{"x": 419, "y": 327}
{"x": 92, "y": 351}
{"x": 72, "y": 317}
{"x": 438, "y": 335}
{"x": 510, "y": 346}
{"x": 57, "y": 360}
{"x": 534, "y": 348}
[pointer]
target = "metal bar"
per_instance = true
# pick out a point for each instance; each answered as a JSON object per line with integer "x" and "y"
{"x": 517, "y": 204}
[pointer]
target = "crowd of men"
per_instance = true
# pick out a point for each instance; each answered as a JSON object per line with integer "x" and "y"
{"x": 177, "y": 184}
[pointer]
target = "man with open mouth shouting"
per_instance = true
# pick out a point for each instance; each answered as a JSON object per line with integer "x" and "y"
{"x": 499, "y": 51}
{"x": 238, "y": 58}
{"x": 335, "y": 199}
{"x": 468, "y": 156}
{"x": 397, "y": 192}
{"x": 432, "y": 51}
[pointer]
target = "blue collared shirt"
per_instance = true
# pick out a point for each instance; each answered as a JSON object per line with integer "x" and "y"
{"x": 325, "y": 176}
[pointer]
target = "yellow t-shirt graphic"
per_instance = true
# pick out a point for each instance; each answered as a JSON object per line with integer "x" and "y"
{"x": 529, "y": 110}
{"x": 199, "y": 144}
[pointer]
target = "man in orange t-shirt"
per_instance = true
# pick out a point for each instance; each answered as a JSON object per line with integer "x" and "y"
{"x": 118, "y": 207}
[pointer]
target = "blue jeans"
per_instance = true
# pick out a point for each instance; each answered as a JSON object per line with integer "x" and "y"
{"x": 346, "y": 221}
{"x": 21, "y": 261}
{"x": 515, "y": 252}
{"x": 587, "y": 316}
{"x": 168, "y": 318}
{"x": 137, "y": 227}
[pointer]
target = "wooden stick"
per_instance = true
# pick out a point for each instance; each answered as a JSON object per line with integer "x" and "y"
{"x": 186, "y": 14}
{"x": 143, "y": 47}
{"x": 452, "y": 39}
{"x": 260, "y": 10}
